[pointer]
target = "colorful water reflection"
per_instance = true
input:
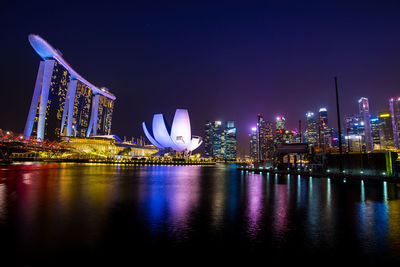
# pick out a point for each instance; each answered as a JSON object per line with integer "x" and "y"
{"x": 71, "y": 208}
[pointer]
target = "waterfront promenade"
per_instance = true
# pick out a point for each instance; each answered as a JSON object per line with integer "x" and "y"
{"x": 130, "y": 161}
{"x": 321, "y": 174}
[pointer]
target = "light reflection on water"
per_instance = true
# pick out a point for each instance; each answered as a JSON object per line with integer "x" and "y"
{"x": 255, "y": 199}
{"x": 81, "y": 207}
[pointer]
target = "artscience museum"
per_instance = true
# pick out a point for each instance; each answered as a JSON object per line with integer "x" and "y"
{"x": 178, "y": 137}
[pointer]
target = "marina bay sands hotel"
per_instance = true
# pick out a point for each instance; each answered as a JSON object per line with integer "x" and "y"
{"x": 63, "y": 102}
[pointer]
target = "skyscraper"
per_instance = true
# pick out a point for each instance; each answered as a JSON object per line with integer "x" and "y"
{"x": 253, "y": 143}
{"x": 280, "y": 129}
{"x": 229, "y": 146}
{"x": 269, "y": 136}
{"x": 365, "y": 116}
{"x": 208, "y": 135}
{"x": 220, "y": 140}
{"x": 376, "y": 132}
{"x": 354, "y": 125}
{"x": 354, "y": 133}
{"x": 324, "y": 131}
{"x": 47, "y": 108}
{"x": 394, "y": 105}
{"x": 260, "y": 143}
{"x": 289, "y": 137}
{"x": 105, "y": 111}
{"x": 208, "y": 139}
{"x": 213, "y": 139}
{"x": 312, "y": 134}
{"x": 81, "y": 111}
{"x": 63, "y": 102}
{"x": 386, "y": 134}
{"x": 323, "y": 117}
{"x": 265, "y": 138}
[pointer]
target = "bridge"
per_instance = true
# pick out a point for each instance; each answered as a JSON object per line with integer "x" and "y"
{"x": 10, "y": 144}
{"x": 288, "y": 149}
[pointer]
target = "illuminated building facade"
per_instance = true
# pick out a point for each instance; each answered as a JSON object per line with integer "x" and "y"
{"x": 269, "y": 136}
{"x": 104, "y": 117}
{"x": 354, "y": 130}
{"x": 208, "y": 132}
{"x": 354, "y": 143}
{"x": 354, "y": 125}
{"x": 265, "y": 135}
{"x": 387, "y": 140}
{"x": 82, "y": 110}
{"x": 49, "y": 110}
{"x": 253, "y": 143}
{"x": 289, "y": 137}
{"x": 220, "y": 140}
{"x": 177, "y": 138}
{"x": 394, "y": 105}
{"x": 323, "y": 117}
{"x": 279, "y": 129}
{"x": 63, "y": 102}
{"x": 312, "y": 134}
{"x": 324, "y": 131}
{"x": 335, "y": 138}
{"x": 108, "y": 146}
{"x": 376, "y": 132}
{"x": 208, "y": 139}
{"x": 229, "y": 138}
{"x": 365, "y": 116}
{"x": 213, "y": 139}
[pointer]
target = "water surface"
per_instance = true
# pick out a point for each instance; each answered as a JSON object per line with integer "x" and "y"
{"x": 84, "y": 213}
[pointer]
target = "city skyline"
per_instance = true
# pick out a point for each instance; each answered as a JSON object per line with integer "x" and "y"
{"x": 200, "y": 131}
{"x": 235, "y": 77}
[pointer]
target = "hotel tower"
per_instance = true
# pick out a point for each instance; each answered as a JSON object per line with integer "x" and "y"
{"x": 63, "y": 102}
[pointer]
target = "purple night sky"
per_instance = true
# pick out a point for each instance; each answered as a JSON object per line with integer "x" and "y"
{"x": 225, "y": 61}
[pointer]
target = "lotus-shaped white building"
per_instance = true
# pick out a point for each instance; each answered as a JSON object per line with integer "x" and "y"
{"x": 178, "y": 137}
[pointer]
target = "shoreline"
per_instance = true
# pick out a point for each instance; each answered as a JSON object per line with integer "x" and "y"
{"x": 325, "y": 175}
{"x": 125, "y": 162}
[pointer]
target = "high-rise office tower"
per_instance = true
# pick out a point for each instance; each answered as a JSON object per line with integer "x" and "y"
{"x": 376, "y": 132}
{"x": 288, "y": 137}
{"x": 208, "y": 135}
{"x": 296, "y": 136}
{"x": 49, "y": 104}
{"x": 253, "y": 143}
{"x": 280, "y": 129}
{"x": 81, "y": 111}
{"x": 394, "y": 105}
{"x": 334, "y": 137}
{"x": 265, "y": 137}
{"x": 354, "y": 132}
{"x": 312, "y": 133}
{"x": 280, "y": 123}
{"x": 213, "y": 139}
{"x": 269, "y": 136}
{"x": 354, "y": 125}
{"x": 63, "y": 102}
{"x": 229, "y": 146}
{"x": 323, "y": 117}
{"x": 260, "y": 139}
{"x": 105, "y": 111}
{"x": 354, "y": 143}
{"x": 387, "y": 140}
{"x": 324, "y": 131}
{"x": 220, "y": 140}
{"x": 365, "y": 116}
